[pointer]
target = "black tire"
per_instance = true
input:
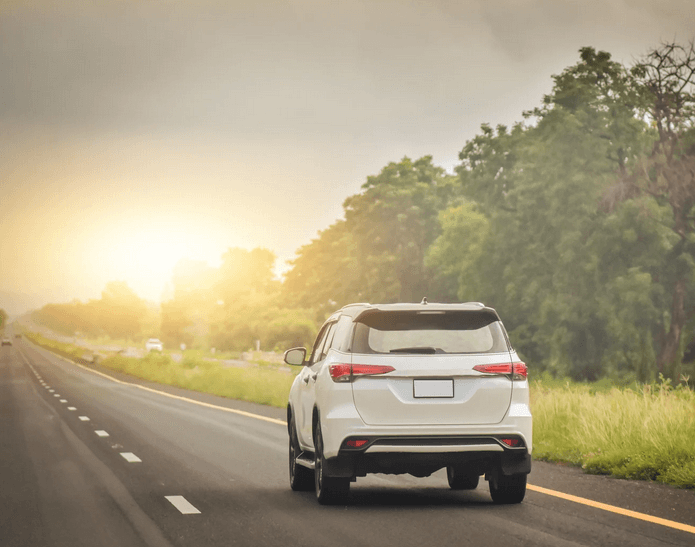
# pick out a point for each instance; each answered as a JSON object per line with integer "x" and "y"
{"x": 459, "y": 479}
{"x": 329, "y": 490}
{"x": 507, "y": 489}
{"x": 301, "y": 478}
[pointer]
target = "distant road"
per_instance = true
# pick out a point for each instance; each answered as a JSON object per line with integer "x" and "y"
{"x": 87, "y": 461}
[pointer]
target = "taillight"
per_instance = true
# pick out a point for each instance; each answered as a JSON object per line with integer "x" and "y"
{"x": 356, "y": 443}
{"x": 518, "y": 370}
{"x": 512, "y": 442}
{"x": 345, "y": 373}
{"x": 340, "y": 373}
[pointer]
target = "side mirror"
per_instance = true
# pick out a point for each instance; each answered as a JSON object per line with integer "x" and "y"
{"x": 295, "y": 356}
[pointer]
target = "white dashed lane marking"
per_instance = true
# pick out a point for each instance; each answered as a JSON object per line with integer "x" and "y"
{"x": 63, "y": 400}
{"x": 182, "y": 504}
{"x": 84, "y": 418}
{"x": 130, "y": 457}
{"x": 71, "y": 408}
{"x": 57, "y": 395}
{"x": 101, "y": 433}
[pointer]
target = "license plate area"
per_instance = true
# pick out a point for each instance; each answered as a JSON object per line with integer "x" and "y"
{"x": 429, "y": 389}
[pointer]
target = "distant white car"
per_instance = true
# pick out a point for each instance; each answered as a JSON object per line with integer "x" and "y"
{"x": 154, "y": 344}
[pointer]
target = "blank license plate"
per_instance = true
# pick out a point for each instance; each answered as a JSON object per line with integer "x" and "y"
{"x": 433, "y": 388}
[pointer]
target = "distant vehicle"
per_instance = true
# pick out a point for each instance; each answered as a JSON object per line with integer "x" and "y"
{"x": 17, "y": 335}
{"x": 154, "y": 344}
{"x": 6, "y": 342}
{"x": 410, "y": 388}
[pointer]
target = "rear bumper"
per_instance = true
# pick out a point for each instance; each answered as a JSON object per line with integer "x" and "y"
{"x": 422, "y": 456}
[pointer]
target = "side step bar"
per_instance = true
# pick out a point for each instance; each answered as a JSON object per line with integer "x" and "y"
{"x": 306, "y": 459}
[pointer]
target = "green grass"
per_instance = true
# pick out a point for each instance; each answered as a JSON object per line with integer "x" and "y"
{"x": 264, "y": 385}
{"x": 643, "y": 432}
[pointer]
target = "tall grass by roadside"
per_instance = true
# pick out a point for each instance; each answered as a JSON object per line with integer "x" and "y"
{"x": 644, "y": 432}
{"x": 264, "y": 385}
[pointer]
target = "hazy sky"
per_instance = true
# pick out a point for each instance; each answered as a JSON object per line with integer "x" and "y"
{"x": 136, "y": 132}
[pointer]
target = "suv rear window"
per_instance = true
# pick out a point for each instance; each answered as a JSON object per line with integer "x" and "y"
{"x": 429, "y": 332}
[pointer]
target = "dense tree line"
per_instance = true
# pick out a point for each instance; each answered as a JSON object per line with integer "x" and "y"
{"x": 119, "y": 314}
{"x": 576, "y": 223}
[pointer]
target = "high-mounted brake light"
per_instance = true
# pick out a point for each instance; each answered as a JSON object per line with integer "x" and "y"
{"x": 518, "y": 370}
{"x": 345, "y": 372}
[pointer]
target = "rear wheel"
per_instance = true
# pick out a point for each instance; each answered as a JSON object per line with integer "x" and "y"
{"x": 507, "y": 489}
{"x": 460, "y": 479}
{"x": 329, "y": 490}
{"x": 301, "y": 478}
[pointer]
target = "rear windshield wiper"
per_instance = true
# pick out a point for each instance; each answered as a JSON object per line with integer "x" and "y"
{"x": 414, "y": 350}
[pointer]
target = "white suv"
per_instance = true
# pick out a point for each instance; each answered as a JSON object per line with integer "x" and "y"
{"x": 410, "y": 388}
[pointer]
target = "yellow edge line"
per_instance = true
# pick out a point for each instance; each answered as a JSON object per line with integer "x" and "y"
{"x": 613, "y": 509}
{"x": 208, "y": 405}
{"x": 532, "y": 487}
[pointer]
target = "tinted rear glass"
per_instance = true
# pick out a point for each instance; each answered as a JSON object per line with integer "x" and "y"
{"x": 426, "y": 333}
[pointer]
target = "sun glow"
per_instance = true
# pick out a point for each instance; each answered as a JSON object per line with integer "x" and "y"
{"x": 144, "y": 253}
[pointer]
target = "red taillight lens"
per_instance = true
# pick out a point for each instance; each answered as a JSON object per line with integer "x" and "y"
{"x": 340, "y": 373}
{"x": 367, "y": 370}
{"x": 513, "y": 443}
{"x": 518, "y": 370}
{"x": 345, "y": 372}
{"x": 499, "y": 368}
{"x": 352, "y": 443}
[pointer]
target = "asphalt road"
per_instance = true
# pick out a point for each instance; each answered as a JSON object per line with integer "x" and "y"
{"x": 88, "y": 461}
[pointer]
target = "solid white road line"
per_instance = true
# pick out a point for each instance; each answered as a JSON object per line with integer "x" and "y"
{"x": 84, "y": 418}
{"x": 130, "y": 457}
{"x": 183, "y": 505}
{"x": 101, "y": 433}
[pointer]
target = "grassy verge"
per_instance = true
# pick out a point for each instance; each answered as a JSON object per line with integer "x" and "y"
{"x": 644, "y": 432}
{"x": 266, "y": 384}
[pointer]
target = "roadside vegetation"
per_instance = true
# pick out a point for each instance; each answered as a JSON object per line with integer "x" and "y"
{"x": 263, "y": 382}
{"x": 642, "y": 431}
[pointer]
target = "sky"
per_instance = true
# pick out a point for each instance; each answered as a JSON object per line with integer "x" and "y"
{"x": 134, "y": 133}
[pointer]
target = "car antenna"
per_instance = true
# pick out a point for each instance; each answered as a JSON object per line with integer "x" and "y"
{"x": 424, "y": 301}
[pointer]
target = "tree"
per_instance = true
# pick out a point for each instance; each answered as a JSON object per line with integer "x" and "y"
{"x": 667, "y": 79}
{"x": 325, "y": 274}
{"x": 393, "y": 222}
{"x": 122, "y": 310}
{"x": 539, "y": 187}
